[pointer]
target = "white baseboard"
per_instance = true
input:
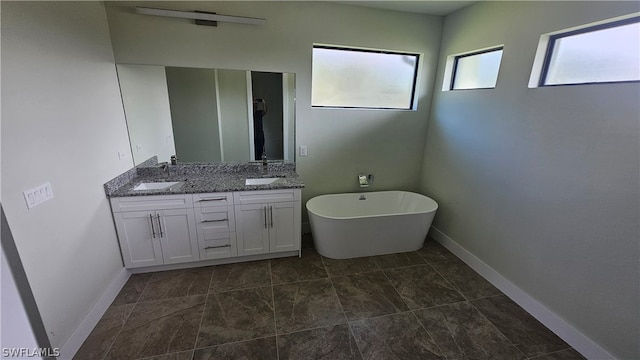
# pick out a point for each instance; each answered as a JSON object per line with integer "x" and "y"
{"x": 584, "y": 345}
{"x": 82, "y": 331}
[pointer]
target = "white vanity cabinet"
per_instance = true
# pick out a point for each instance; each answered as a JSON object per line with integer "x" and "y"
{"x": 215, "y": 225}
{"x": 156, "y": 230}
{"x": 267, "y": 221}
{"x": 173, "y": 229}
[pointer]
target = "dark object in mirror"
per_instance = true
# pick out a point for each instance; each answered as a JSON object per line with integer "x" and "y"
{"x": 259, "y": 110}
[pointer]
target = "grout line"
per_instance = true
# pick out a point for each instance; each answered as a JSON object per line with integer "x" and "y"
{"x": 517, "y": 346}
{"x": 538, "y": 356}
{"x": 381, "y": 316}
{"x": 357, "y": 273}
{"x": 171, "y": 353}
{"x": 445, "y": 322}
{"x": 439, "y": 305}
{"x": 230, "y": 343}
{"x": 396, "y": 290}
{"x": 346, "y": 318}
{"x": 454, "y": 286}
{"x": 300, "y": 281}
{"x": 204, "y": 309}
{"x": 432, "y": 339}
{"x": 314, "y": 328}
{"x": 104, "y": 356}
{"x": 492, "y": 296}
{"x": 275, "y": 320}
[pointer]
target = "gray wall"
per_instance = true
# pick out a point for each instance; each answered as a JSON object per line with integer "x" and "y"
{"x": 62, "y": 122}
{"x": 234, "y": 115}
{"x": 542, "y": 184}
{"x": 194, "y": 114}
{"x": 341, "y": 142}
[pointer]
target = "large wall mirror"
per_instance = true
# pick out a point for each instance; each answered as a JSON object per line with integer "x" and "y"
{"x": 208, "y": 115}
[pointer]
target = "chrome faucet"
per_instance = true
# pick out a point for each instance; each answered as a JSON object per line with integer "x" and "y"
{"x": 165, "y": 168}
{"x": 265, "y": 164}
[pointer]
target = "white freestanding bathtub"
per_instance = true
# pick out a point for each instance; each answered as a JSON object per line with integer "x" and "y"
{"x": 373, "y": 223}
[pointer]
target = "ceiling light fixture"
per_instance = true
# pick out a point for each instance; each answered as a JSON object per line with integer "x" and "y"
{"x": 201, "y": 18}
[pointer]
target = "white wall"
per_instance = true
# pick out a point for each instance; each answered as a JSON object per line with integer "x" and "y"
{"x": 62, "y": 121}
{"x": 146, "y": 102}
{"x": 341, "y": 143}
{"x": 542, "y": 184}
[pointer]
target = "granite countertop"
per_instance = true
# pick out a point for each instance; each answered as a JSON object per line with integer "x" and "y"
{"x": 202, "y": 179}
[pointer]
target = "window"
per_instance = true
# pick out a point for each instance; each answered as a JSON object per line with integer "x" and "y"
{"x": 478, "y": 70}
{"x": 359, "y": 78}
{"x": 605, "y": 52}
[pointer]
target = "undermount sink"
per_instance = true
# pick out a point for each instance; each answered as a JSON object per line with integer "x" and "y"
{"x": 162, "y": 185}
{"x": 265, "y": 181}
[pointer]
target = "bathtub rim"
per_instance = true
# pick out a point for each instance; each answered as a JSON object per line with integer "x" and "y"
{"x": 310, "y": 212}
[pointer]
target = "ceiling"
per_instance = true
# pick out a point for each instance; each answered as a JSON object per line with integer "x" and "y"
{"x": 415, "y": 6}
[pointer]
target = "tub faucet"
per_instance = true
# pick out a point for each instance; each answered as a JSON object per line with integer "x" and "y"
{"x": 365, "y": 180}
{"x": 362, "y": 197}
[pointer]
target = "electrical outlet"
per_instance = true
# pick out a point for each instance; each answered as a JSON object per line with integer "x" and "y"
{"x": 303, "y": 150}
{"x": 38, "y": 195}
{"x": 122, "y": 155}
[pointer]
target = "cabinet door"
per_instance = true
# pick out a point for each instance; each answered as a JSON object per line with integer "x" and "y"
{"x": 139, "y": 238}
{"x": 252, "y": 229}
{"x": 283, "y": 235}
{"x": 178, "y": 237}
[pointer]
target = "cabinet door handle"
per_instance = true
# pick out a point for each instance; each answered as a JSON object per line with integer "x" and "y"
{"x": 265, "y": 217}
{"x": 214, "y": 199}
{"x": 209, "y": 221}
{"x": 271, "y": 216}
{"x": 159, "y": 225}
{"x": 153, "y": 230}
{"x": 217, "y": 247}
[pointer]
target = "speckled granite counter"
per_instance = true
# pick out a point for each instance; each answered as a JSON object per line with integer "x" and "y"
{"x": 202, "y": 178}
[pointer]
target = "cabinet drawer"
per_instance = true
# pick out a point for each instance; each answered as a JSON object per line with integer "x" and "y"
{"x": 212, "y": 199}
{"x": 160, "y": 202}
{"x": 218, "y": 245}
{"x": 266, "y": 196}
{"x": 216, "y": 218}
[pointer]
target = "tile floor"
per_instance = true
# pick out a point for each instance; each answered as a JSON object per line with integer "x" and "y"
{"x": 421, "y": 305}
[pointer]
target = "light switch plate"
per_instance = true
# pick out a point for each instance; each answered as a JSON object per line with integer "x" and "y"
{"x": 38, "y": 195}
{"x": 303, "y": 150}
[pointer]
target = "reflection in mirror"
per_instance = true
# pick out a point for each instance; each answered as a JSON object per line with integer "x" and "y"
{"x": 208, "y": 115}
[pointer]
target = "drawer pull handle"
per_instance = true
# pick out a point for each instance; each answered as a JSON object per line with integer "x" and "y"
{"x": 265, "y": 217}
{"x": 160, "y": 225}
{"x": 217, "y": 247}
{"x": 153, "y": 230}
{"x": 271, "y": 216}
{"x": 214, "y": 199}
{"x": 209, "y": 221}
